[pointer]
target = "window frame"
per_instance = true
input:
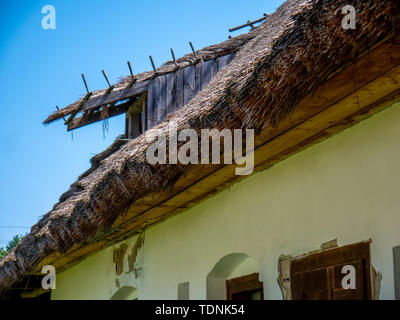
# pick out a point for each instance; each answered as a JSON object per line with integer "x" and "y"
{"x": 245, "y": 283}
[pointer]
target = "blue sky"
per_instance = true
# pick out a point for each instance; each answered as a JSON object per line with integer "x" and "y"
{"x": 40, "y": 69}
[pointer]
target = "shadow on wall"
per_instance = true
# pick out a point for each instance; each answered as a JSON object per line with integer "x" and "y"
{"x": 230, "y": 266}
{"x": 125, "y": 293}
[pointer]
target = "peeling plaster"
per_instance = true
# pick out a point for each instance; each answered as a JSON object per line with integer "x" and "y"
{"x": 133, "y": 266}
{"x": 118, "y": 258}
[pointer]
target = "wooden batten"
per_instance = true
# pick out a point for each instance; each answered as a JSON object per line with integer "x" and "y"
{"x": 117, "y": 95}
{"x": 95, "y": 116}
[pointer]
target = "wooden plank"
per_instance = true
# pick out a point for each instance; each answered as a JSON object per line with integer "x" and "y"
{"x": 96, "y": 116}
{"x": 197, "y": 78}
{"x": 179, "y": 102}
{"x": 189, "y": 84}
{"x": 224, "y": 61}
{"x": 116, "y": 95}
{"x": 214, "y": 69}
{"x": 151, "y": 120}
{"x": 144, "y": 115}
{"x": 207, "y": 72}
{"x": 160, "y": 99}
{"x": 171, "y": 93}
{"x": 156, "y": 91}
{"x": 331, "y": 257}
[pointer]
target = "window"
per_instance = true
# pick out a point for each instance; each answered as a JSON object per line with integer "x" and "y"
{"x": 245, "y": 288}
{"x": 135, "y": 123}
{"x": 319, "y": 276}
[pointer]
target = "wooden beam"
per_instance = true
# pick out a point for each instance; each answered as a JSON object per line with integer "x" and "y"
{"x": 97, "y": 116}
{"x": 116, "y": 95}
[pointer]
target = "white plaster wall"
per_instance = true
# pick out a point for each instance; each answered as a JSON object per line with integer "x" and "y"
{"x": 95, "y": 278}
{"x": 346, "y": 187}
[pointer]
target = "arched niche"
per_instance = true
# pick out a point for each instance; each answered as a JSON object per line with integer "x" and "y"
{"x": 230, "y": 266}
{"x": 125, "y": 293}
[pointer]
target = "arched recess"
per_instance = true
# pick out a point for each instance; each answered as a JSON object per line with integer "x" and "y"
{"x": 125, "y": 293}
{"x": 230, "y": 266}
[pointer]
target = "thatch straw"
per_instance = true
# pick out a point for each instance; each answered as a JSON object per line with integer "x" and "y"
{"x": 294, "y": 52}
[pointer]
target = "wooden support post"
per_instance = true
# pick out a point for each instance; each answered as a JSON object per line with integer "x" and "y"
{"x": 154, "y": 67}
{"x": 194, "y": 53}
{"x": 133, "y": 79}
{"x": 110, "y": 87}
{"x": 174, "y": 59}
{"x": 84, "y": 81}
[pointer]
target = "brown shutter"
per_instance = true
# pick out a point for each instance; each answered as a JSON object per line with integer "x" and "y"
{"x": 319, "y": 276}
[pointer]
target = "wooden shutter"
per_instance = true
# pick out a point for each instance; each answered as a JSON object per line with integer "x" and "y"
{"x": 319, "y": 276}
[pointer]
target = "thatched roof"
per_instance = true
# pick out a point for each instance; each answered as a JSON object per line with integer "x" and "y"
{"x": 292, "y": 53}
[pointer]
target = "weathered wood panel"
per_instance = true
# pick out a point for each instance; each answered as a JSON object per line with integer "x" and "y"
{"x": 97, "y": 116}
{"x": 207, "y": 72}
{"x": 151, "y": 105}
{"x": 197, "y": 78}
{"x": 224, "y": 61}
{"x": 117, "y": 95}
{"x": 188, "y": 84}
{"x": 214, "y": 69}
{"x": 160, "y": 99}
{"x": 179, "y": 89}
{"x": 171, "y": 92}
